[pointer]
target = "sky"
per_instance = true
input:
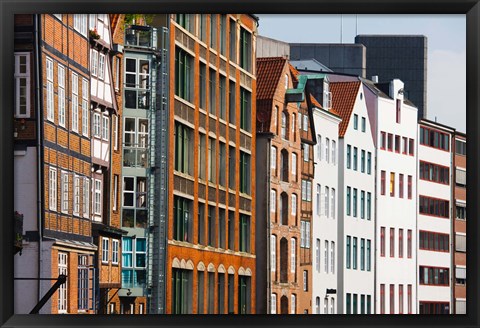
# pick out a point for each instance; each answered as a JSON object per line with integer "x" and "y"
{"x": 446, "y": 35}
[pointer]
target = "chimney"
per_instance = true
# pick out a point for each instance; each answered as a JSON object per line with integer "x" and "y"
{"x": 375, "y": 79}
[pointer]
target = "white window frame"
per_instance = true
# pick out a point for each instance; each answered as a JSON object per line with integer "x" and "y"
{"x": 74, "y": 102}
{"x": 61, "y": 95}
{"x": 332, "y": 257}
{"x": 307, "y": 234}
{"x": 333, "y": 203}
{"x": 97, "y": 129}
{"x": 327, "y": 150}
{"x": 334, "y": 152}
{"x": 50, "y": 106}
{"x": 317, "y": 255}
{"x": 273, "y": 253}
{"x": 97, "y": 200}
{"x": 94, "y": 62}
{"x": 332, "y": 305}
{"x": 325, "y": 257}
{"x": 86, "y": 197}
{"x": 305, "y": 122}
{"x": 63, "y": 289}
{"x": 105, "y": 128}
{"x": 115, "y": 251}
{"x": 105, "y": 249}
{"x": 64, "y": 192}
{"x": 273, "y": 158}
{"x": 101, "y": 66}
{"x": 294, "y": 164}
{"x": 52, "y": 192}
{"x": 273, "y": 200}
{"x": 115, "y": 192}
{"x": 80, "y": 23}
{"x": 302, "y": 234}
{"x": 305, "y": 280}
{"x": 294, "y": 205}
{"x": 18, "y": 78}
{"x": 76, "y": 195}
{"x": 117, "y": 73}
{"x": 306, "y": 152}
{"x": 293, "y": 252}
{"x": 115, "y": 133}
{"x": 319, "y": 147}
{"x": 273, "y": 302}
{"x": 293, "y": 304}
{"x": 327, "y": 196}
{"x": 85, "y": 111}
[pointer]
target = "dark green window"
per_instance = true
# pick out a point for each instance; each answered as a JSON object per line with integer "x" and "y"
{"x": 182, "y": 222}
{"x": 354, "y": 255}
{"x": 244, "y": 173}
{"x": 233, "y": 40}
{"x": 231, "y": 230}
{"x": 183, "y": 148}
{"x": 369, "y": 206}
{"x": 232, "y": 172}
{"x": 183, "y": 74}
{"x": 231, "y": 102}
{"x": 245, "y": 109}
{"x": 245, "y": 49}
{"x": 211, "y": 226}
{"x": 201, "y": 224}
{"x": 244, "y": 230}
{"x": 349, "y": 303}
{"x": 243, "y": 294}
{"x": 213, "y": 30}
{"x": 223, "y": 97}
{"x": 181, "y": 291}
{"x": 203, "y": 85}
{"x": 362, "y": 204}
{"x": 362, "y": 254}
{"x": 369, "y": 259}
{"x": 355, "y": 202}
{"x": 369, "y": 163}
{"x": 349, "y": 154}
{"x": 349, "y": 251}
{"x": 362, "y": 304}
{"x": 187, "y": 21}
{"x": 369, "y": 304}
{"x": 222, "y": 169}
{"x": 349, "y": 192}
{"x": 355, "y": 299}
{"x": 223, "y": 34}
{"x": 212, "y": 102}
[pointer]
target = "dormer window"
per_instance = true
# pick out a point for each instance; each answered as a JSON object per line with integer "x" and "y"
{"x": 327, "y": 95}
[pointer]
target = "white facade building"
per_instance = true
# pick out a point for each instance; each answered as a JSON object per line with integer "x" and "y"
{"x": 325, "y": 213}
{"x": 356, "y": 187}
{"x": 434, "y": 218}
{"x": 396, "y": 211}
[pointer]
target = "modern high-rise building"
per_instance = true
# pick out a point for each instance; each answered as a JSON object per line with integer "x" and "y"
{"x": 401, "y": 57}
{"x": 434, "y": 223}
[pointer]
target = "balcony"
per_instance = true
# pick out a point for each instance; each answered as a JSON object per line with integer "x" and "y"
{"x": 141, "y": 37}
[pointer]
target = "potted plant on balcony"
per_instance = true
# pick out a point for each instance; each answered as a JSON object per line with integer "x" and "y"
{"x": 94, "y": 34}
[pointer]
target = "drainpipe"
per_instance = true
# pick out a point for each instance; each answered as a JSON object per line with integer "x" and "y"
{"x": 40, "y": 164}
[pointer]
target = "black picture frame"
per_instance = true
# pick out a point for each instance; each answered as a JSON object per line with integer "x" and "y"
{"x": 471, "y": 8}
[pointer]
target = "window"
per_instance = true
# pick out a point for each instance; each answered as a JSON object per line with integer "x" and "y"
{"x": 400, "y": 243}
{"x": 307, "y": 234}
{"x": 362, "y": 254}
{"x": 307, "y": 190}
{"x": 294, "y": 166}
{"x": 80, "y": 24}
{"x": 115, "y": 132}
{"x": 349, "y": 152}
{"x": 392, "y": 184}
{"x": 245, "y": 173}
{"x": 233, "y": 41}
{"x": 362, "y": 204}
{"x": 76, "y": 195}
{"x": 96, "y": 125}
{"x": 101, "y": 66}
{"x": 22, "y": 84}
{"x": 434, "y": 308}
{"x": 306, "y": 152}
{"x": 245, "y": 49}
{"x": 460, "y": 306}
{"x": 244, "y": 296}
{"x": 325, "y": 257}
{"x": 135, "y": 138}
{"x": 461, "y": 212}
{"x": 117, "y": 72}
{"x": 460, "y": 177}
{"x": 317, "y": 255}
{"x": 64, "y": 192}
{"x": 355, "y": 151}
{"x": 400, "y": 187}
{"x": 400, "y": 299}
{"x": 181, "y": 291}
{"x": 397, "y": 144}
{"x": 355, "y": 304}
{"x": 382, "y": 182}
{"x": 434, "y": 207}
{"x": 383, "y": 140}
{"x": 460, "y": 275}
{"x": 460, "y": 242}
{"x": 354, "y": 253}
{"x": 212, "y": 163}
{"x": 83, "y": 282}
{"x": 327, "y": 195}
{"x": 186, "y": 21}
{"x": 201, "y": 291}
{"x": 183, "y": 74}
{"x": 409, "y": 300}
{"x": 212, "y": 81}
{"x": 202, "y": 85}
{"x": 390, "y": 142}
{"x": 105, "y": 246}
{"x": 434, "y": 276}
{"x": 94, "y": 62}
{"x": 244, "y": 230}
{"x": 273, "y": 201}
{"x": 348, "y": 200}
{"x": 334, "y": 152}
{"x": 50, "y": 108}
{"x": 349, "y": 303}
{"x": 319, "y": 147}
{"x": 293, "y": 304}
{"x": 382, "y": 241}
{"x": 433, "y": 241}
{"x": 409, "y": 243}
{"x": 273, "y": 303}
{"x": 211, "y": 224}
{"x": 392, "y": 299}
{"x": 382, "y": 298}
{"x": 98, "y": 195}
{"x": 305, "y": 280}
{"x": 434, "y": 138}
{"x": 74, "y": 102}
{"x": 355, "y": 121}
{"x": 362, "y": 304}
{"x": 317, "y": 305}
{"x": 245, "y": 110}
{"x": 294, "y": 127}
{"x": 405, "y": 145}
{"x": 362, "y": 161}
{"x": 221, "y": 292}
{"x": 409, "y": 187}
{"x": 273, "y": 253}
{"x": 223, "y": 96}
{"x": 349, "y": 252}
{"x": 231, "y": 230}
{"x": 305, "y": 122}
{"x": 62, "y": 290}
{"x": 411, "y": 146}
{"x": 293, "y": 251}
{"x": 355, "y": 202}
{"x": 327, "y": 150}
{"x": 61, "y": 95}
{"x": 183, "y": 148}
{"x": 437, "y": 173}
{"x": 134, "y": 213}
{"x": 460, "y": 147}
{"x": 182, "y": 219}
{"x": 284, "y": 165}
{"x": 332, "y": 257}
{"x": 86, "y": 197}
{"x": 369, "y": 256}
{"x": 273, "y": 160}
{"x": 85, "y": 110}
{"x": 213, "y": 31}
{"x": 392, "y": 242}
{"x": 105, "y": 128}
{"x": 232, "y": 172}
{"x": 369, "y": 206}
{"x": 325, "y": 305}
{"x": 284, "y": 127}
{"x": 333, "y": 203}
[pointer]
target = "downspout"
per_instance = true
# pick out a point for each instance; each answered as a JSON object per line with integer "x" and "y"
{"x": 40, "y": 163}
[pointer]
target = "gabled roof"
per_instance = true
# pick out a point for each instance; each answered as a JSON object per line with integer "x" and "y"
{"x": 344, "y": 95}
{"x": 269, "y": 71}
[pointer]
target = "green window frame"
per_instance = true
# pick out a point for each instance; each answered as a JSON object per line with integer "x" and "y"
{"x": 362, "y": 254}
{"x": 349, "y": 253}
{"x": 183, "y": 74}
{"x": 369, "y": 255}
{"x": 244, "y": 230}
{"x": 349, "y": 156}
{"x": 244, "y": 173}
{"x": 181, "y": 291}
{"x": 182, "y": 219}
{"x": 245, "y": 109}
{"x": 183, "y": 148}
{"x": 354, "y": 253}
{"x": 349, "y": 193}
{"x": 369, "y": 206}
{"x": 245, "y": 49}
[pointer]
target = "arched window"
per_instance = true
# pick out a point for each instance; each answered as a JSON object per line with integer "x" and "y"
{"x": 283, "y": 260}
{"x": 284, "y": 214}
{"x": 284, "y": 305}
{"x": 284, "y": 163}
{"x": 284, "y": 131}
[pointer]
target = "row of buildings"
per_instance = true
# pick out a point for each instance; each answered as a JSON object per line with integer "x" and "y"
{"x": 164, "y": 168}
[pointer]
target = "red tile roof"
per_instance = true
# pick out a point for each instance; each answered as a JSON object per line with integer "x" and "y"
{"x": 293, "y": 72}
{"x": 344, "y": 95}
{"x": 269, "y": 71}
{"x": 315, "y": 102}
